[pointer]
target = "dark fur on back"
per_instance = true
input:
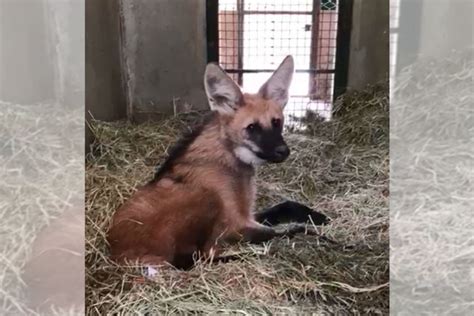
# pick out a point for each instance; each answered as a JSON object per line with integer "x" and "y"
{"x": 179, "y": 149}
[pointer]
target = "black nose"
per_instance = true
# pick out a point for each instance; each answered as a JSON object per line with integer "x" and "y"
{"x": 282, "y": 151}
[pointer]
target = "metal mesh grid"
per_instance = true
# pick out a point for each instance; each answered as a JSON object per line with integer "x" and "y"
{"x": 255, "y": 36}
{"x": 394, "y": 25}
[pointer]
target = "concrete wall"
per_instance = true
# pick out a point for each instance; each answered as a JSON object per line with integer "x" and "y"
{"x": 66, "y": 36}
{"x": 26, "y": 63}
{"x": 369, "y": 49}
{"x": 441, "y": 19}
{"x": 42, "y": 52}
{"x": 105, "y": 93}
{"x": 165, "y": 55}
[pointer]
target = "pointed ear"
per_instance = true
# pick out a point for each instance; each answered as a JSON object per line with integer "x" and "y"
{"x": 223, "y": 93}
{"x": 276, "y": 88}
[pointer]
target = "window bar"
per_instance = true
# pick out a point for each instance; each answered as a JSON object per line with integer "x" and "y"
{"x": 312, "y": 71}
{"x": 344, "y": 28}
{"x": 314, "y": 48}
{"x": 278, "y": 12}
{"x": 240, "y": 39}
{"x": 212, "y": 28}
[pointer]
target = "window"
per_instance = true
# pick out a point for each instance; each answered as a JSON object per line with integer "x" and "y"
{"x": 255, "y": 36}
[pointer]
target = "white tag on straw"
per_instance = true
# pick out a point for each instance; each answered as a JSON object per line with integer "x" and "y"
{"x": 151, "y": 272}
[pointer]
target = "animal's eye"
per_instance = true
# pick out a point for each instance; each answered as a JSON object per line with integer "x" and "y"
{"x": 276, "y": 123}
{"x": 251, "y": 127}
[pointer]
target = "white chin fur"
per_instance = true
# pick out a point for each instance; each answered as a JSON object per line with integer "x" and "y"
{"x": 247, "y": 156}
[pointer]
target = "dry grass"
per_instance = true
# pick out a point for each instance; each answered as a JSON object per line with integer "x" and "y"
{"x": 41, "y": 174}
{"x": 431, "y": 140}
{"x": 361, "y": 118}
{"x": 341, "y": 177}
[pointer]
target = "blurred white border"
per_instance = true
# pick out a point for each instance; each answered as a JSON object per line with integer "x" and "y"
{"x": 432, "y": 155}
{"x": 42, "y": 156}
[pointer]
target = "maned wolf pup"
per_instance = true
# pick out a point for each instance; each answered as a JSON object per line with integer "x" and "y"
{"x": 204, "y": 193}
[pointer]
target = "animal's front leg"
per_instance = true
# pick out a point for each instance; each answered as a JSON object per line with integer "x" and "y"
{"x": 258, "y": 233}
{"x": 288, "y": 212}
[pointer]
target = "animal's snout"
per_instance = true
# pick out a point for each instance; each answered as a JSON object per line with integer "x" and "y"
{"x": 281, "y": 152}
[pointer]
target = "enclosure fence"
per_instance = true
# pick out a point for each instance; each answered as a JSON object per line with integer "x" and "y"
{"x": 254, "y": 36}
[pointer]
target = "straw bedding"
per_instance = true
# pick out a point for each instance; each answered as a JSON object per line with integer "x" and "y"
{"x": 339, "y": 168}
{"x": 431, "y": 140}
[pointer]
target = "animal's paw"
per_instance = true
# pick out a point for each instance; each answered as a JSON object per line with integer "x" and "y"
{"x": 292, "y": 229}
{"x": 302, "y": 214}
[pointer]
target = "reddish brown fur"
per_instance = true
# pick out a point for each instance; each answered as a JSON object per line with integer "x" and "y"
{"x": 211, "y": 202}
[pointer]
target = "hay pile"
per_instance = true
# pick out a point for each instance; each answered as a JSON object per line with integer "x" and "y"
{"x": 369, "y": 108}
{"x": 346, "y": 180}
{"x": 432, "y": 186}
{"x": 41, "y": 176}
